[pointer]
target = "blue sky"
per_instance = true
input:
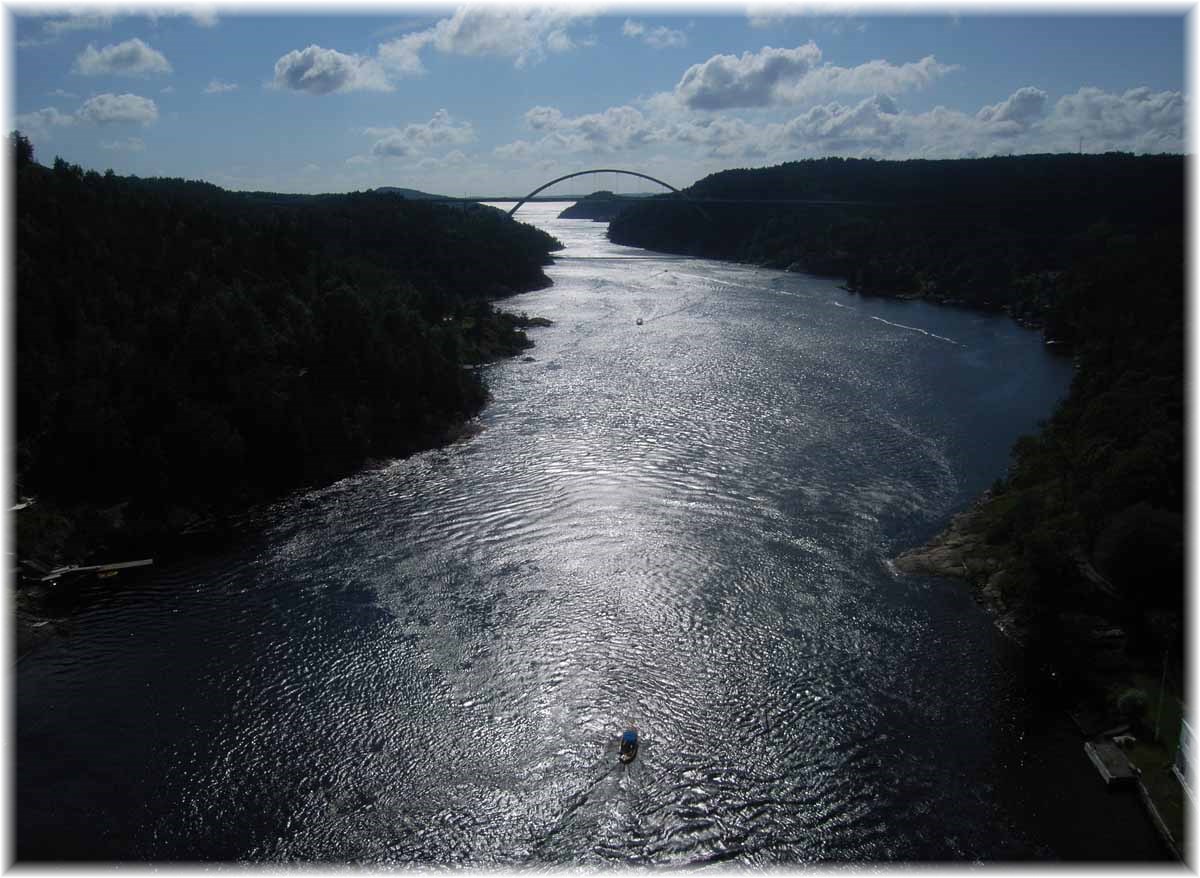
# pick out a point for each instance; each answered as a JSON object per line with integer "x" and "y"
{"x": 497, "y": 99}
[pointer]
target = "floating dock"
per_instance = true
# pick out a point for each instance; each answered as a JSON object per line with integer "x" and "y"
{"x": 1112, "y": 763}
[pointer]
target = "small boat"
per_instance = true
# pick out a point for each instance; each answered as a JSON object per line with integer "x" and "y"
{"x": 639, "y": 321}
{"x": 629, "y": 746}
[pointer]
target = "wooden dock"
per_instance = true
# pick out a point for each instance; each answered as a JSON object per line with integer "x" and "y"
{"x": 98, "y": 569}
{"x": 1112, "y": 763}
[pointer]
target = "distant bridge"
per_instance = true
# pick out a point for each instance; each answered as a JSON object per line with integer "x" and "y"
{"x": 517, "y": 206}
{"x": 680, "y": 197}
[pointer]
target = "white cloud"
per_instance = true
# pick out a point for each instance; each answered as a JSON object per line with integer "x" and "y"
{"x": 518, "y": 151}
{"x": 833, "y": 127}
{"x": 656, "y": 38}
{"x": 762, "y": 15}
{"x": 1138, "y": 120}
{"x": 320, "y": 71}
{"x": 59, "y": 93}
{"x": 129, "y": 144}
{"x": 403, "y": 56}
{"x": 415, "y": 139}
{"x": 615, "y": 129}
{"x": 725, "y": 81}
{"x": 202, "y": 16}
{"x": 523, "y": 34}
{"x": 832, "y": 18}
{"x": 788, "y": 76}
{"x": 84, "y": 20}
{"x": 107, "y": 109}
{"x": 57, "y": 27}
{"x": 215, "y": 86}
{"x": 130, "y": 58}
{"x": 1019, "y": 110}
{"x": 168, "y": 90}
{"x": 453, "y": 159}
{"x": 39, "y": 122}
{"x": 871, "y": 77}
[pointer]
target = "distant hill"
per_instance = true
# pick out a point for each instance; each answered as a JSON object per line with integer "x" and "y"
{"x": 600, "y": 206}
{"x": 407, "y": 193}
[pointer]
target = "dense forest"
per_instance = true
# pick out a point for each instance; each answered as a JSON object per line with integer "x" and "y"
{"x": 1090, "y": 518}
{"x": 991, "y": 233}
{"x": 183, "y": 351}
{"x": 599, "y": 206}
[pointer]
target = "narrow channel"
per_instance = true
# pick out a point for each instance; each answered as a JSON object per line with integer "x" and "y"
{"x": 683, "y": 526}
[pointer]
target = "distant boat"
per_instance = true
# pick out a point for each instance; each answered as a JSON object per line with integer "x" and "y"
{"x": 629, "y": 746}
{"x": 639, "y": 321}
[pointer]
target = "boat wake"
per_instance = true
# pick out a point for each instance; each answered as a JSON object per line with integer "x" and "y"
{"x": 918, "y": 329}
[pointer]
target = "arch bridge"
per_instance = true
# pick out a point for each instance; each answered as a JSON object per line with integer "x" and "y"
{"x": 593, "y": 171}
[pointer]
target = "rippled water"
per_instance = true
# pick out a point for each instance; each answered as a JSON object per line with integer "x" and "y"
{"x": 682, "y": 526}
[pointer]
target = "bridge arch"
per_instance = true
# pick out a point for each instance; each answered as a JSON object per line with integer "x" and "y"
{"x": 593, "y": 171}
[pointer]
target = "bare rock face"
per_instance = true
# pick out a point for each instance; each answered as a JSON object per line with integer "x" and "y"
{"x": 961, "y": 551}
{"x": 956, "y": 551}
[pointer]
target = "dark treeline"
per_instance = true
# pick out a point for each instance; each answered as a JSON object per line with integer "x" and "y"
{"x": 182, "y": 350}
{"x": 1091, "y": 247}
{"x": 600, "y": 206}
{"x": 1102, "y": 484}
{"x": 982, "y": 232}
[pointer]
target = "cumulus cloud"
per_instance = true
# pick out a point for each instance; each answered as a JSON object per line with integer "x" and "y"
{"x": 787, "y": 76}
{"x": 871, "y": 77}
{"x": 835, "y": 127}
{"x": 130, "y": 58}
{"x": 877, "y": 125}
{"x": 106, "y": 109}
{"x": 725, "y": 81}
{"x": 1138, "y": 120}
{"x": 1017, "y": 112}
{"x": 215, "y": 86}
{"x": 453, "y": 159}
{"x": 517, "y": 151}
{"x": 615, "y": 129}
{"x": 523, "y": 34}
{"x": 415, "y": 139}
{"x": 321, "y": 71}
{"x": 39, "y": 122}
{"x": 403, "y": 56}
{"x": 656, "y": 38}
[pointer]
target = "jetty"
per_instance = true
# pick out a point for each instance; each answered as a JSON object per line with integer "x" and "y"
{"x": 99, "y": 569}
{"x": 1110, "y": 760}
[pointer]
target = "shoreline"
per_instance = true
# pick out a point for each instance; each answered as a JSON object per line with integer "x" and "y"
{"x": 960, "y": 551}
{"x": 66, "y": 535}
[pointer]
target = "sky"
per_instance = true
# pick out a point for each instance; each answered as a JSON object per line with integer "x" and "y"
{"x": 498, "y": 99}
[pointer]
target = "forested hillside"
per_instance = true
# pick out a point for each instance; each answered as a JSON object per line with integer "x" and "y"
{"x": 983, "y": 232}
{"x": 182, "y": 350}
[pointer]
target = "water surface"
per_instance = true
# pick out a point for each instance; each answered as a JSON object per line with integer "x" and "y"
{"x": 682, "y": 526}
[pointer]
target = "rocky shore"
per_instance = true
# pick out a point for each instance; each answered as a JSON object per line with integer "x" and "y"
{"x": 1092, "y": 652}
{"x": 962, "y": 552}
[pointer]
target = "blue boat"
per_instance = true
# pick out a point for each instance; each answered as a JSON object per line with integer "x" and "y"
{"x": 629, "y": 746}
